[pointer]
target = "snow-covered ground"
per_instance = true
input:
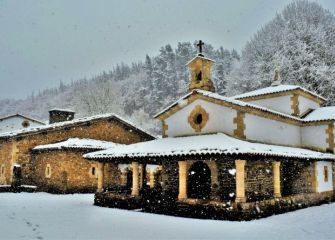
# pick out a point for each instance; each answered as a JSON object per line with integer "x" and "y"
{"x": 46, "y": 216}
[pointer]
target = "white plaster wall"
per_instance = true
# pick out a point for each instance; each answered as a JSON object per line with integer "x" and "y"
{"x": 220, "y": 120}
{"x": 305, "y": 104}
{"x": 281, "y": 104}
{"x": 322, "y": 185}
{"x": 271, "y": 131}
{"x": 15, "y": 123}
{"x": 314, "y": 136}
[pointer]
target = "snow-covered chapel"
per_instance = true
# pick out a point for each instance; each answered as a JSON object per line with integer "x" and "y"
{"x": 259, "y": 153}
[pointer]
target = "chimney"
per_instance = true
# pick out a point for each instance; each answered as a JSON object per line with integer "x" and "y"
{"x": 60, "y": 115}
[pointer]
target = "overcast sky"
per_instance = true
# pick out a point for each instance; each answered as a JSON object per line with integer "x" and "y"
{"x": 43, "y": 42}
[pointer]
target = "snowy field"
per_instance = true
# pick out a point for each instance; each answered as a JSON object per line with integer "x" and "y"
{"x": 46, "y": 216}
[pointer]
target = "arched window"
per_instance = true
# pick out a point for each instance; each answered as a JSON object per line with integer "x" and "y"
{"x": 2, "y": 170}
{"x": 48, "y": 171}
{"x": 199, "y": 76}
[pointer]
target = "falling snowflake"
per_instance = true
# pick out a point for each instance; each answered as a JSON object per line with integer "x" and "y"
{"x": 232, "y": 171}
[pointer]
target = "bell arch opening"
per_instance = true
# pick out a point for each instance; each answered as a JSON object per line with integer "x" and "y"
{"x": 199, "y": 181}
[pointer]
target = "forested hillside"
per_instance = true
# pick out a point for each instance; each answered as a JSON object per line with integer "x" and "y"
{"x": 135, "y": 92}
{"x": 300, "y": 41}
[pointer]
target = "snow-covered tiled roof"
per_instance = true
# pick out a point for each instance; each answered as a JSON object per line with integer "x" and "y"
{"x": 199, "y": 56}
{"x": 275, "y": 89}
{"x": 78, "y": 143}
{"x": 205, "y": 144}
{"x": 63, "y": 124}
{"x": 321, "y": 114}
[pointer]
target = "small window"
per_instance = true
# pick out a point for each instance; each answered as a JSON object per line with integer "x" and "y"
{"x": 325, "y": 173}
{"x": 2, "y": 170}
{"x": 48, "y": 171}
{"x": 93, "y": 171}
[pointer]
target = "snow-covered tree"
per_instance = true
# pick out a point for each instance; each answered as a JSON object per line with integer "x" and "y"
{"x": 300, "y": 41}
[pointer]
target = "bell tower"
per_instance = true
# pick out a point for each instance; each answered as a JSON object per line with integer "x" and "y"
{"x": 200, "y": 69}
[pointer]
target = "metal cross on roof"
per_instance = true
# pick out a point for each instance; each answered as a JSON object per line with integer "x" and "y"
{"x": 200, "y": 44}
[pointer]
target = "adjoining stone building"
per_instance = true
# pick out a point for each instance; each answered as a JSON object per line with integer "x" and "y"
{"x": 60, "y": 167}
{"x": 243, "y": 157}
{"x": 17, "y": 166}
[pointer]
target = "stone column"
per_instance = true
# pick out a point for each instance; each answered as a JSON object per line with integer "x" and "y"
{"x": 182, "y": 180}
{"x": 240, "y": 184}
{"x": 152, "y": 179}
{"x": 135, "y": 188}
{"x": 100, "y": 176}
{"x": 276, "y": 179}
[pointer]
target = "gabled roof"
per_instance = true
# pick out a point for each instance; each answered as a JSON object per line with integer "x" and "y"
{"x": 276, "y": 89}
{"x": 78, "y": 143}
{"x": 237, "y": 103}
{"x": 23, "y": 116}
{"x": 228, "y": 100}
{"x": 75, "y": 122}
{"x": 321, "y": 114}
{"x": 219, "y": 144}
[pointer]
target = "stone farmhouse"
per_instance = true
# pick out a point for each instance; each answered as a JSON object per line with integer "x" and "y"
{"x": 62, "y": 168}
{"x": 243, "y": 157}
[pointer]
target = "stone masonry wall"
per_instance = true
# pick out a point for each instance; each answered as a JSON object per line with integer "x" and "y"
{"x": 6, "y": 160}
{"x": 170, "y": 178}
{"x": 226, "y": 178}
{"x": 296, "y": 177}
{"x": 70, "y": 172}
{"x": 259, "y": 180}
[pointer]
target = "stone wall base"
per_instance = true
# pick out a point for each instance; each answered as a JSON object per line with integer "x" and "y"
{"x": 117, "y": 200}
{"x": 215, "y": 209}
{"x": 18, "y": 189}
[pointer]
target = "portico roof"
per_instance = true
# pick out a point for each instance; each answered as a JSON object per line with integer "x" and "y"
{"x": 219, "y": 144}
{"x": 77, "y": 143}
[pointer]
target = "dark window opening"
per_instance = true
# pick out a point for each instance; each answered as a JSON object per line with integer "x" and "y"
{"x": 325, "y": 173}
{"x": 198, "y": 119}
{"x": 93, "y": 170}
{"x": 199, "y": 76}
{"x": 25, "y": 123}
